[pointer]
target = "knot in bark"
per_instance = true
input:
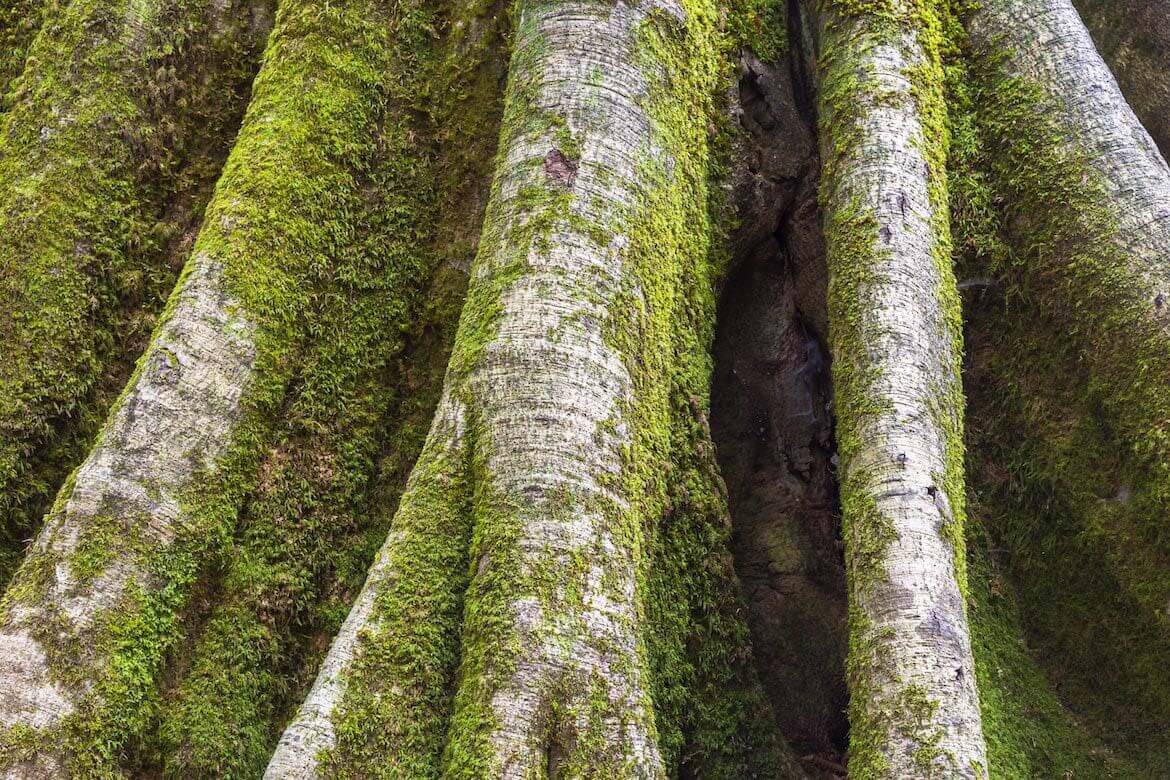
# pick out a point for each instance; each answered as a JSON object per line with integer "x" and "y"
{"x": 560, "y": 168}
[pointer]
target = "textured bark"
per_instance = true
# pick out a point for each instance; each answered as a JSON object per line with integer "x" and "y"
{"x": 1104, "y": 188}
{"x": 894, "y": 335}
{"x": 308, "y": 533}
{"x": 552, "y": 591}
{"x": 116, "y": 132}
{"x": 86, "y": 620}
{"x": 520, "y": 549}
{"x": 1133, "y": 36}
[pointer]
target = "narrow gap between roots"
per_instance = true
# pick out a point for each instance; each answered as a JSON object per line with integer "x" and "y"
{"x": 771, "y": 415}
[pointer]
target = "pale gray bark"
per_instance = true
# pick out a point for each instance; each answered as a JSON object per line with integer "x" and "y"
{"x": 175, "y": 420}
{"x": 1047, "y": 43}
{"x": 549, "y": 395}
{"x": 896, "y": 350}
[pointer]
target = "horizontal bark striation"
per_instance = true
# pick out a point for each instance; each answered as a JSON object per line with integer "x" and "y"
{"x": 516, "y": 570}
{"x": 1133, "y": 37}
{"x": 97, "y": 601}
{"x": 894, "y": 335}
{"x": 116, "y": 132}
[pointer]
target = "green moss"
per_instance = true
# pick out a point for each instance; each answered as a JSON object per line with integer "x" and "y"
{"x": 310, "y": 532}
{"x": 711, "y": 717}
{"x": 1064, "y": 264}
{"x": 282, "y": 228}
{"x": 1028, "y": 730}
{"x": 17, "y": 743}
{"x": 20, "y": 20}
{"x": 1046, "y": 484}
{"x": 759, "y": 25}
{"x": 108, "y": 159}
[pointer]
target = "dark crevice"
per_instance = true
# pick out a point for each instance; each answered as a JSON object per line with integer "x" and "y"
{"x": 771, "y": 413}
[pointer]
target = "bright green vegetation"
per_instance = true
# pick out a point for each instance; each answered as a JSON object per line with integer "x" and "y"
{"x": 355, "y": 418}
{"x": 112, "y": 142}
{"x": 20, "y": 20}
{"x": 299, "y": 184}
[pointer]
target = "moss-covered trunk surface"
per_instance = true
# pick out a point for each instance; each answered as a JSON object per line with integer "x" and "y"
{"x": 111, "y": 143}
{"x": 567, "y": 388}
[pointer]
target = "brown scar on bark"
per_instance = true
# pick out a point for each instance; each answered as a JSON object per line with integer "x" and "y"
{"x": 560, "y": 168}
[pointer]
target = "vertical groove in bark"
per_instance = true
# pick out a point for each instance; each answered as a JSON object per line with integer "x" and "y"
{"x": 579, "y": 366}
{"x": 116, "y": 132}
{"x": 95, "y": 604}
{"x": 770, "y": 412}
{"x": 895, "y": 339}
{"x": 1087, "y": 243}
{"x": 1133, "y": 36}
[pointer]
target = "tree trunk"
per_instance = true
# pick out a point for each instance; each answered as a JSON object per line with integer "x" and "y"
{"x": 308, "y": 531}
{"x": 894, "y": 333}
{"x": 96, "y": 603}
{"x": 1096, "y": 256}
{"x": 518, "y": 569}
{"x": 460, "y": 340}
{"x": 114, "y": 138}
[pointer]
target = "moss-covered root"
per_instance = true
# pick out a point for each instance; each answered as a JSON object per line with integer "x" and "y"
{"x": 94, "y": 606}
{"x": 518, "y": 569}
{"x": 309, "y": 534}
{"x": 394, "y": 726}
{"x": 116, "y": 132}
{"x": 896, "y": 343}
{"x": 1029, "y": 732}
{"x": 1133, "y": 36}
{"x": 1085, "y": 192}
